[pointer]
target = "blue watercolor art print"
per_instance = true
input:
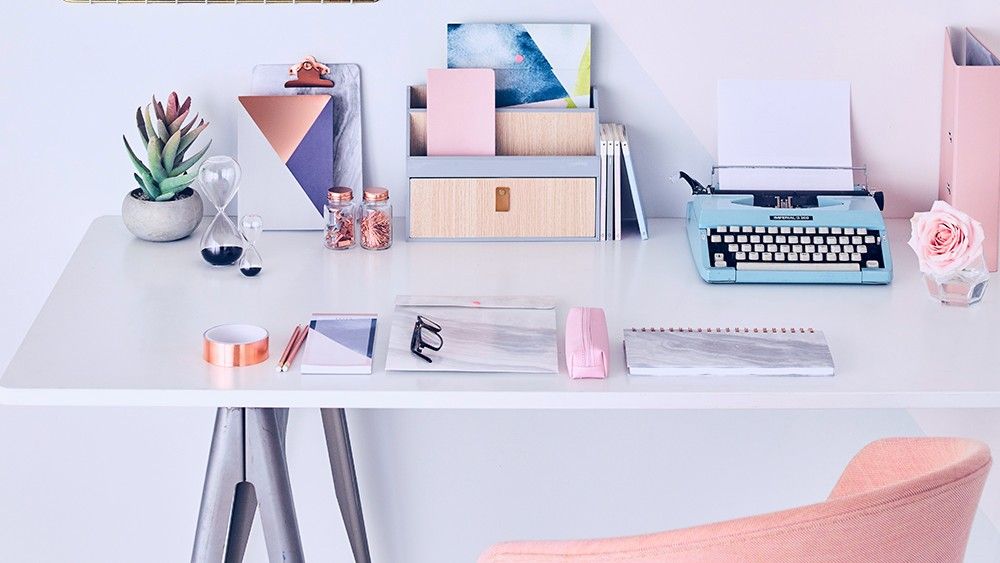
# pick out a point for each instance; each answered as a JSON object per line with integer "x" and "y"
{"x": 544, "y": 65}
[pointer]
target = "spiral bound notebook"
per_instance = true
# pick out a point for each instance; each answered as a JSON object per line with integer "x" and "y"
{"x": 727, "y": 351}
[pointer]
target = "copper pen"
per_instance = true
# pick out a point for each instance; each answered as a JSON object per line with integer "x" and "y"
{"x": 288, "y": 347}
{"x": 295, "y": 348}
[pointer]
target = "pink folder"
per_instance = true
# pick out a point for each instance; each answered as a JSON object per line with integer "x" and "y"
{"x": 970, "y": 134}
{"x": 461, "y": 112}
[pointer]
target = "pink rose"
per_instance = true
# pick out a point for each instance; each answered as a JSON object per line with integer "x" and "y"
{"x": 945, "y": 239}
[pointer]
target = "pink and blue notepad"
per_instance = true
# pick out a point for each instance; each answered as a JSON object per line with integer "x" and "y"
{"x": 339, "y": 344}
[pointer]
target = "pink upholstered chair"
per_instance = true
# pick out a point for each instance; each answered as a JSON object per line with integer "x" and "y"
{"x": 900, "y": 500}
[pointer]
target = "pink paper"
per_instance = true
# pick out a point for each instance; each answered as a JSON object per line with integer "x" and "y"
{"x": 461, "y": 112}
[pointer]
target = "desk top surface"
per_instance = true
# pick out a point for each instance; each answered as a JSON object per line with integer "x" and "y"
{"x": 124, "y": 324}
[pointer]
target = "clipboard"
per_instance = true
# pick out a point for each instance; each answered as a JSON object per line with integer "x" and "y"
{"x": 271, "y": 80}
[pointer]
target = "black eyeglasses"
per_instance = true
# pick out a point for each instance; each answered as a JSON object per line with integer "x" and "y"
{"x": 426, "y": 334}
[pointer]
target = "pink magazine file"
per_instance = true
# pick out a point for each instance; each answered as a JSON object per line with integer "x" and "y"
{"x": 970, "y": 134}
{"x": 587, "y": 343}
{"x": 461, "y": 112}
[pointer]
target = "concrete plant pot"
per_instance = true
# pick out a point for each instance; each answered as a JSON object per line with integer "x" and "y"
{"x": 162, "y": 221}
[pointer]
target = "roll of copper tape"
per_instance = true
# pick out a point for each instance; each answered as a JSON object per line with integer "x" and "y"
{"x": 236, "y": 345}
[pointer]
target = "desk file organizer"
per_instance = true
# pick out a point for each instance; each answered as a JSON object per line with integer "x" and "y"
{"x": 542, "y": 185}
{"x": 970, "y": 134}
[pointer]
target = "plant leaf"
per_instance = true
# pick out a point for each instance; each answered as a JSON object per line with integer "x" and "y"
{"x": 148, "y": 125}
{"x": 175, "y": 125}
{"x": 185, "y": 107}
{"x": 139, "y": 166}
{"x": 161, "y": 131}
{"x": 149, "y": 185}
{"x": 170, "y": 153}
{"x": 176, "y": 183}
{"x": 142, "y": 125}
{"x": 184, "y": 166}
{"x": 171, "y": 107}
{"x": 145, "y": 188}
{"x": 188, "y": 139}
{"x": 167, "y": 196}
{"x": 162, "y": 115}
{"x": 186, "y": 128}
{"x": 155, "y": 150}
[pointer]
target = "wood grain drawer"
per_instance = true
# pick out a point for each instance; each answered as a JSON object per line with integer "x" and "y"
{"x": 523, "y": 133}
{"x": 503, "y": 208}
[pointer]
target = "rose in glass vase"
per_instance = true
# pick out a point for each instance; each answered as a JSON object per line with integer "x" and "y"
{"x": 949, "y": 246}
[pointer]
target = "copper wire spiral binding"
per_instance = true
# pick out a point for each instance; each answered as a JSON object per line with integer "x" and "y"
{"x": 729, "y": 330}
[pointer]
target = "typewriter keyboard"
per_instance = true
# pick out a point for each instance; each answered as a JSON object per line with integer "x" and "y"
{"x": 795, "y": 248}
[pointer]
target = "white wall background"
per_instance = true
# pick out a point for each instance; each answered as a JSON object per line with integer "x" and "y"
{"x": 123, "y": 484}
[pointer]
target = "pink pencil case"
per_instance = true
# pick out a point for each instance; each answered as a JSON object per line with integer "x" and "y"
{"x": 587, "y": 343}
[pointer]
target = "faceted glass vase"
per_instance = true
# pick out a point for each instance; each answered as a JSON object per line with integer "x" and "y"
{"x": 962, "y": 288}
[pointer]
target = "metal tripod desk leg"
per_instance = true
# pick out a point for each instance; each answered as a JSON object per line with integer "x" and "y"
{"x": 246, "y": 467}
{"x": 345, "y": 481}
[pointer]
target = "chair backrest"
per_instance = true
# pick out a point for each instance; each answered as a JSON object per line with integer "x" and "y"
{"x": 899, "y": 500}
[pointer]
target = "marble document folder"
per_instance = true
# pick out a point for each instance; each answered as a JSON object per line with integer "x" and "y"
{"x": 480, "y": 334}
{"x": 714, "y": 352}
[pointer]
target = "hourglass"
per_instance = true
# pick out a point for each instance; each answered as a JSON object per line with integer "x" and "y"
{"x": 222, "y": 244}
{"x": 250, "y": 263}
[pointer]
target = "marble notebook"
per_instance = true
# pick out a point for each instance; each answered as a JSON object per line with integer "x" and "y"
{"x": 796, "y": 352}
{"x": 479, "y": 334}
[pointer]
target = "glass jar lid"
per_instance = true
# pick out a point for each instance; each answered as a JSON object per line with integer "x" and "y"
{"x": 339, "y": 194}
{"x": 376, "y": 194}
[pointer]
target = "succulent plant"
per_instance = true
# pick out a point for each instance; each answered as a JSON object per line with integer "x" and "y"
{"x": 167, "y": 140}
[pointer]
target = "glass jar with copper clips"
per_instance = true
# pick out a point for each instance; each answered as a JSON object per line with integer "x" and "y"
{"x": 341, "y": 214}
{"x": 376, "y": 219}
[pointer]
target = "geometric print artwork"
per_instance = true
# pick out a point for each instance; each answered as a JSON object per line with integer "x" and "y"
{"x": 299, "y": 130}
{"x": 545, "y": 65}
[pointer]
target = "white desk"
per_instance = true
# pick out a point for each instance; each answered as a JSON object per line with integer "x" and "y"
{"x": 123, "y": 327}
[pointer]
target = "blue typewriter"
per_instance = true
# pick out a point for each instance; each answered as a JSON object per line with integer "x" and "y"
{"x": 757, "y": 236}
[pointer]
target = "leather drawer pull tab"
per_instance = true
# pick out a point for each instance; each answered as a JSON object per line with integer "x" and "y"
{"x": 503, "y": 199}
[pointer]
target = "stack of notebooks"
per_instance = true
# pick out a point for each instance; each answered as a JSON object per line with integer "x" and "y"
{"x": 618, "y": 185}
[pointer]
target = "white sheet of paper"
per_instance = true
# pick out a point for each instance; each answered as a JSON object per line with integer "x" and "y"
{"x": 785, "y": 123}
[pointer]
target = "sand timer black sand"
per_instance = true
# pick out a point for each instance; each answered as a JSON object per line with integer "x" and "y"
{"x": 222, "y": 244}
{"x": 250, "y": 264}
